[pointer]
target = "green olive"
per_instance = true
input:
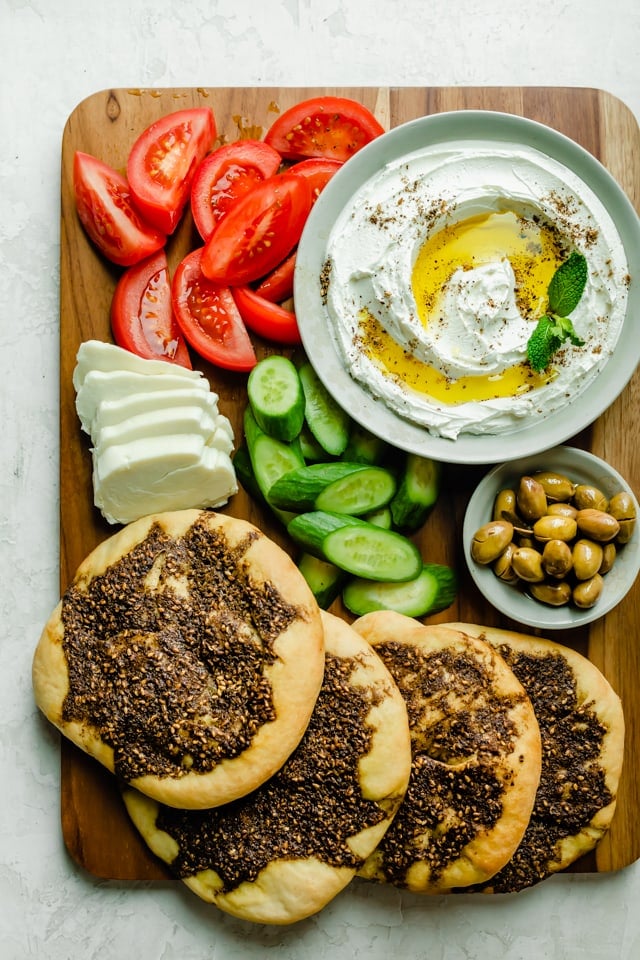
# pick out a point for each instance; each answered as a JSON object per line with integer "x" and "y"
{"x": 557, "y": 558}
{"x": 562, "y": 510}
{"x": 524, "y": 541}
{"x": 586, "y": 593}
{"x": 587, "y": 558}
{"x": 609, "y": 554}
{"x": 626, "y": 531}
{"x": 490, "y": 540}
{"x": 597, "y": 524}
{"x": 587, "y": 496}
{"x": 555, "y": 594}
{"x": 505, "y": 502}
{"x": 623, "y": 508}
{"x": 503, "y": 566}
{"x": 531, "y": 499}
{"x": 556, "y": 486}
{"x": 527, "y": 564}
{"x": 552, "y": 527}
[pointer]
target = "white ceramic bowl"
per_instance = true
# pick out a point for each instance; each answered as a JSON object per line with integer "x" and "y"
{"x": 581, "y": 467}
{"x": 538, "y": 433}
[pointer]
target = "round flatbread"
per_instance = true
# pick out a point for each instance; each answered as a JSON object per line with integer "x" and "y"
{"x": 186, "y": 657}
{"x": 582, "y": 727}
{"x": 283, "y": 852}
{"x": 476, "y": 757}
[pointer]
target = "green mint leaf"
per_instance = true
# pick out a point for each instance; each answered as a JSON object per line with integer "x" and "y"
{"x": 566, "y": 331}
{"x": 567, "y": 285}
{"x": 547, "y": 338}
{"x": 542, "y": 344}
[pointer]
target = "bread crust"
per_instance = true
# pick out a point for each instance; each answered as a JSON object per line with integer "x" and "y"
{"x": 580, "y": 812}
{"x": 288, "y": 885}
{"x": 476, "y": 757}
{"x": 262, "y": 572}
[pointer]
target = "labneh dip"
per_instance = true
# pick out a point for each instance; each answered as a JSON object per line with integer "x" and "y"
{"x": 436, "y": 273}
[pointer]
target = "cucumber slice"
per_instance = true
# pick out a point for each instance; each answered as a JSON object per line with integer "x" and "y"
{"x": 338, "y": 487}
{"x": 310, "y": 448}
{"x": 270, "y": 459}
{"x": 354, "y": 545}
{"x": 276, "y": 397}
{"x": 325, "y": 579}
{"x": 380, "y": 517}
{"x": 244, "y": 471}
{"x": 418, "y": 490}
{"x": 364, "y": 446}
{"x": 327, "y": 421}
{"x": 434, "y": 589}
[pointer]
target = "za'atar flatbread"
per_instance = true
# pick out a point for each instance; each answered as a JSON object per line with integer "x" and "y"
{"x": 476, "y": 757}
{"x": 581, "y": 721}
{"x": 186, "y": 657}
{"x": 284, "y": 851}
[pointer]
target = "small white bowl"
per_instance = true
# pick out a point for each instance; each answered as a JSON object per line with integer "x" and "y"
{"x": 580, "y": 467}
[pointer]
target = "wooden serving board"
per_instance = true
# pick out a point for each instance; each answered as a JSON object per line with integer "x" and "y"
{"x": 96, "y": 829}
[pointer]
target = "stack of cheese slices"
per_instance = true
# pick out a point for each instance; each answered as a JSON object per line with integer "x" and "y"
{"x": 270, "y": 753}
{"x": 159, "y": 441}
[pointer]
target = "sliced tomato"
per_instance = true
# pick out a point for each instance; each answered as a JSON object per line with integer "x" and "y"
{"x": 142, "y": 319}
{"x": 106, "y": 211}
{"x": 267, "y": 319}
{"x": 258, "y": 231}
{"x": 318, "y": 171}
{"x": 334, "y": 127}
{"x": 278, "y": 285}
{"x": 209, "y": 318}
{"x": 163, "y": 160}
{"x": 226, "y": 174}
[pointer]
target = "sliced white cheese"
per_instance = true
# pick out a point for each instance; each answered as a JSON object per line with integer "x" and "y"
{"x": 159, "y": 441}
{"x": 161, "y": 473}
{"x": 108, "y": 358}
{"x": 163, "y": 422}
{"x": 98, "y": 385}
{"x": 110, "y": 412}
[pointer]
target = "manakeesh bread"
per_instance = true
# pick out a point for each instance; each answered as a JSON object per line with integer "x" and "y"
{"x": 476, "y": 757}
{"x": 283, "y": 852}
{"x": 582, "y": 727}
{"x": 174, "y": 657}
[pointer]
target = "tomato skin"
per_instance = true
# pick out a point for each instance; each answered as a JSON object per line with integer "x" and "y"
{"x": 163, "y": 160}
{"x": 328, "y": 126}
{"x": 318, "y": 171}
{"x": 209, "y": 318}
{"x": 258, "y": 231}
{"x": 142, "y": 319}
{"x": 267, "y": 319}
{"x": 226, "y": 174}
{"x": 105, "y": 209}
{"x": 278, "y": 285}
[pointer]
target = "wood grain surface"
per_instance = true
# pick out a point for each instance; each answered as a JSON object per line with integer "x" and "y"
{"x": 95, "y": 827}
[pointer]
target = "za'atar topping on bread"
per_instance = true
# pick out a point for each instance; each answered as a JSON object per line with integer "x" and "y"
{"x": 285, "y": 850}
{"x": 476, "y": 757}
{"x": 582, "y": 728}
{"x": 186, "y": 656}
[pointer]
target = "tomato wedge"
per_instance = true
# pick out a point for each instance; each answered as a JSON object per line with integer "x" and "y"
{"x": 226, "y": 174}
{"x": 163, "y": 160}
{"x": 267, "y": 319}
{"x": 278, "y": 285}
{"x": 334, "y": 127}
{"x": 318, "y": 171}
{"x": 142, "y": 319}
{"x": 209, "y": 318}
{"x": 258, "y": 231}
{"x": 106, "y": 211}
